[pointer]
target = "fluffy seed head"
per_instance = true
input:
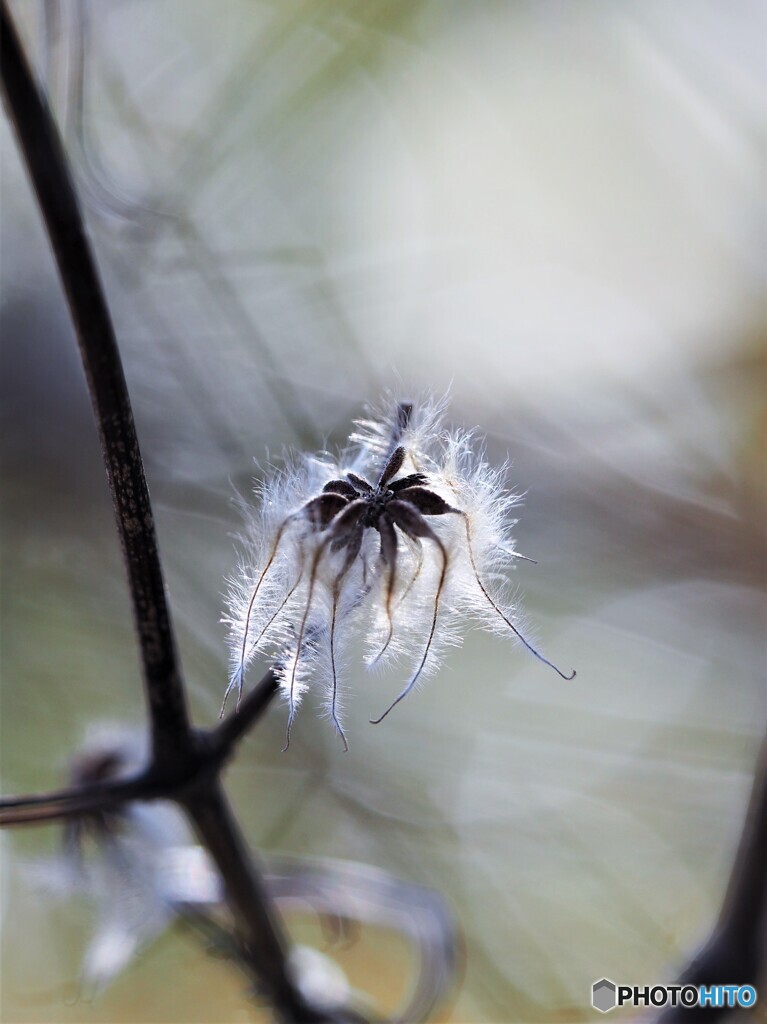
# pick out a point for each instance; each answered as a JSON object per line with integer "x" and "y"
{"x": 396, "y": 541}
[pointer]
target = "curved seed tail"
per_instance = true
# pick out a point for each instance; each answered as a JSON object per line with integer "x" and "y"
{"x": 437, "y": 599}
{"x": 235, "y": 681}
{"x": 509, "y": 623}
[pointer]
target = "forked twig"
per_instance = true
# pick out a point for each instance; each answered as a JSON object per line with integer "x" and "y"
{"x": 185, "y": 764}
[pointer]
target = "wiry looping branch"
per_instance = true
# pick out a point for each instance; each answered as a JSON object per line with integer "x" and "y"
{"x": 184, "y": 764}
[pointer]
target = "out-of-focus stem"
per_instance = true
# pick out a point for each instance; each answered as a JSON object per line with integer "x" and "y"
{"x": 76, "y": 801}
{"x": 736, "y": 952}
{"x": 257, "y": 927}
{"x": 238, "y": 723}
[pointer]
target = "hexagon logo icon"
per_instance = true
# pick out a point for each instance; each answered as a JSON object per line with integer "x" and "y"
{"x": 603, "y": 995}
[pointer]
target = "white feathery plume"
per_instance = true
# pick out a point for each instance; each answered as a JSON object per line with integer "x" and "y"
{"x": 395, "y": 542}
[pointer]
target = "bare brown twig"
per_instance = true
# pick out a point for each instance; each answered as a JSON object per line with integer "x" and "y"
{"x": 185, "y": 764}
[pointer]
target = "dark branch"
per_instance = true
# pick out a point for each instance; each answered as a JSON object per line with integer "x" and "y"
{"x": 223, "y": 739}
{"x": 82, "y": 799}
{"x": 736, "y": 950}
{"x": 48, "y": 170}
{"x": 211, "y": 750}
{"x": 184, "y": 764}
{"x": 258, "y": 929}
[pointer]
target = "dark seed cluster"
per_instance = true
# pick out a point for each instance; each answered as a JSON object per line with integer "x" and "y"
{"x": 349, "y": 507}
{"x": 398, "y": 509}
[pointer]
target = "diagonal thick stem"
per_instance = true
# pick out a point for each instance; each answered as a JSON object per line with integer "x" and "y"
{"x": 258, "y": 928}
{"x": 184, "y": 764}
{"x": 48, "y": 170}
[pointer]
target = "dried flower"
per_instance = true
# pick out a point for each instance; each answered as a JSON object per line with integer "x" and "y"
{"x": 116, "y": 859}
{"x": 395, "y": 541}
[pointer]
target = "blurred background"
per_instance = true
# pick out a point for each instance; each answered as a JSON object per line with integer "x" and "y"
{"x": 556, "y": 211}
